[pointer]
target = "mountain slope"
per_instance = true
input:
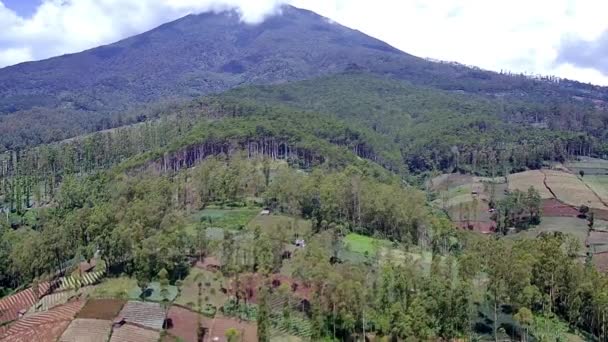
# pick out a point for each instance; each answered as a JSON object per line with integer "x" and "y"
{"x": 142, "y": 76}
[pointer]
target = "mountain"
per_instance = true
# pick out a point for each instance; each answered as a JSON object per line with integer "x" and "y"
{"x": 143, "y": 76}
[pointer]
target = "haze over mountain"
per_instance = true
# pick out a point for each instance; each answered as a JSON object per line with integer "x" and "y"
{"x": 209, "y": 53}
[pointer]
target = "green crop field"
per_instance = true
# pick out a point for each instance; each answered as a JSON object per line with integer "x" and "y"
{"x": 363, "y": 244}
{"x": 226, "y": 218}
{"x": 114, "y": 288}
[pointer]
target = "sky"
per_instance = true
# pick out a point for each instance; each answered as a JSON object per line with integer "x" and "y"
{"x": 564, "y": 38}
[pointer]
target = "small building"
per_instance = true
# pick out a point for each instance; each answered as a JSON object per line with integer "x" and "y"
{"x": 300, "y": 243}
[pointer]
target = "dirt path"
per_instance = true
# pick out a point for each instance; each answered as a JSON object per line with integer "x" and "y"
{"x": 547, "y": 186}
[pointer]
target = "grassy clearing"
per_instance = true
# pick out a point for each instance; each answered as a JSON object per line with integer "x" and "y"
{"x": 274, "y": 222}
{"x": 212, "y": 283}
{"x": 364, "y": 244}
{"x": 226, "y": 218}
{"x": 358, "y": 247}
{"x": 114, "y": 288}
{"x": 153, "y": 292}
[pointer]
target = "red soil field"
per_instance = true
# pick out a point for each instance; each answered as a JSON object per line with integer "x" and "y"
{"x": 23, "y": 300}
{"x": 600, "y": 214}
{"x": 106, "y": 309}
{"x": 554, "y": 208}
{"x": 185, "y": 326}
{"x": 184, "y": 323}
{"x": 43, "y": 326}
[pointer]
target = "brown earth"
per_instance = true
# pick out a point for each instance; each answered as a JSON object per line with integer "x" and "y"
{"x": 185, "y": 323}
{"x": 106, "y": 309}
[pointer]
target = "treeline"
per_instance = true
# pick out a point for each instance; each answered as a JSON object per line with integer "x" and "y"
{"x": 136, "y": 221}
{"x": 448, "y": 131}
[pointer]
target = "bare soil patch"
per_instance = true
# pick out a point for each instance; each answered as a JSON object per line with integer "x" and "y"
{"x": 106, "y": 309}
{"x": 551, "y": 207}
{"x": 185, "y": 325}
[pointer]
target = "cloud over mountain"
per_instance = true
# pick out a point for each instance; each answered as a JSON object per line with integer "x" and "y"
{"x": 65, "y": 26}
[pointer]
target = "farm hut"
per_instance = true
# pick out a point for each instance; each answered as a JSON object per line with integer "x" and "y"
{"x": 265, "y": 212}
{"x": 300, "y": 243}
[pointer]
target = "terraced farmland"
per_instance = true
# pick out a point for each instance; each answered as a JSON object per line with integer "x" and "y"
{"x": 87, "y": 329}
{"x": 149, "y": 315}
{"x": 524, "y": 180}
{"x": 76, "y": 282}
{"x": 599, "y": 184}
{"x": 571, "y": 190}
{"x": 43, "y": 326}
{"x": 51, "y": 300}
{"x": 21, "y": 301}
{"x": 131, "y": 333}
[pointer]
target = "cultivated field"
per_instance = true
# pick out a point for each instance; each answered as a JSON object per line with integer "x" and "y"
{"x": 599, "y": 184}
{"x": 146, "y": 314}
{"x": 524, "y": 180}
{"x": 51, "y": 300}
{"x": 131, "y": 333}
{"x": 22, "y": 300}
{"x": 591, "y": 166}
{"x": 185, "y": 323}
{"x": 571, "y": 190}
{"x": 43, "y": 326}
{"x": 87, "y": 329}
{"x": 567, "y": 225}
{"x": 106, "y": 309}
{"x": 466, "y": 199}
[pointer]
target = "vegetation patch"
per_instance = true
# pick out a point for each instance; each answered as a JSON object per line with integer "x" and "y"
{"x": 226, "y": 218}
{"x": 153, "y": 292}
{"x": 289, "y": 224}
{"x": 212, "y": 289}
{"x": 364, "y": 244}
{"x": 114, "y": 288}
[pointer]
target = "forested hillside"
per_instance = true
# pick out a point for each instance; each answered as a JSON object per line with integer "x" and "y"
{"x": 278, "y": 181}
{"x": 142, "y": 77}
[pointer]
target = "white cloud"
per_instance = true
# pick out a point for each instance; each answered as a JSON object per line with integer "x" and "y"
{"x": 519, "y": 35}
{"x": 59, "y": 26}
